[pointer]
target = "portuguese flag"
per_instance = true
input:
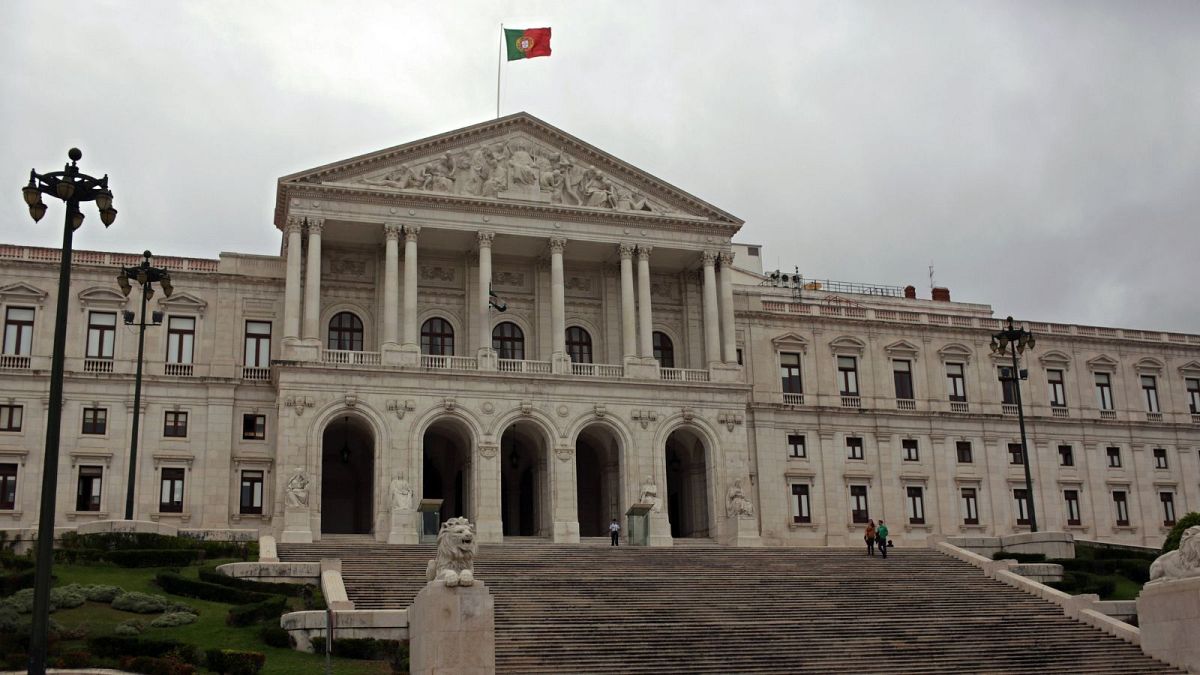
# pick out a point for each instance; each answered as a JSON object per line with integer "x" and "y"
{"x": 526, "y": 43}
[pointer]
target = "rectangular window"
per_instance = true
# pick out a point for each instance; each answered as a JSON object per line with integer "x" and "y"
{"x": 95, "y": 421}
{"x": 181, "y": 339}
{"x": 1104, "y": 397}
{"x": 854, "y": 447}
{"x": 1021, "y": 501}
{"x": 1121, "y": 502}
{"x": 796, "y": 449}
{"x": 1016, "y": 454}
{"x": 1193, "y": 392}
{"x": 8, "y": 487}
{"x": 916, "y": 505}
{"x": 739, "y": 357}
{"x": 956, "y": 382}
{"x": 87, "y": 497}
{"x": 911, "y": 453}
{"x": 789, "y": 373}
{"x": 1114, "y": 458}
{"x": 251, "y": 493}
{"x": 965, "y": 455}
{"x": 1008, "y": 385}
{"x": 1150, "y": 393}
{"x": 1066, "y": 455}
{"x": 1071, "y": 497}
{"x": 858, "y": 503}
{"x": 258, "y": 344}
{"x": 848, "y": 375}
{"x": 18, "y": 331}
{"x": 11, "y": 416}
{"x": 1160, "y": 458}
{"x": 902, "y": 373}
{"x": 171, "y": 494}
{"x": 101, "y": 335}
{"x": 1168, "y": 506}
{"x": 801, "y": 508}
{"x": 1058, "y": 388}
{"x": 970, "y": 506}
{"x": 254, "y": 427}
{"x": 175, "y": 424}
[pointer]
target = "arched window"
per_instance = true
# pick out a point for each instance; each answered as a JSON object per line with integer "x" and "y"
{"x": 664, "y": 350}
{"x": 509, "y": 341}
{"x": 437, "y": 337}
{"x": 345, "y": 332}
{"x": 579, "y": 345}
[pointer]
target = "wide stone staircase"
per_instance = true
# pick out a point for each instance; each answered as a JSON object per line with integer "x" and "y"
{"x": 709, "y": 609}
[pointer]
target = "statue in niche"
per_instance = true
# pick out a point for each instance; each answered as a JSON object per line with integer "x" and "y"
{"x": 403, "y": 178}
{"x": 738, "y": 504}
{"x": 649, "y": 494}
{"x": 297, "y": 489}
{"x": 401, "y": 494}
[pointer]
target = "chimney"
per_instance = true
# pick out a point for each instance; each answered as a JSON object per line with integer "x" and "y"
{"x": 910, "y": 292}
{"x": 941, "y": 294}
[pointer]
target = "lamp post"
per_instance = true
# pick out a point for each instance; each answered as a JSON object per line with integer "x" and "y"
{"x": 73, "y": 187}
{"x": 1020, "y": 340}
{"x": 144, "y": 275}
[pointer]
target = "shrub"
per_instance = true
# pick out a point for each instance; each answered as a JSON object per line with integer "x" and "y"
{"x": 367, "y": 649}
{"x": 1020, "y": 557}
{"x": 121, "y": 541}
{"x": 78, "y": 556}
{"x": 130, "y": 628}
{"x": 233, "y": 662}
{"x": 177, "y": 584}
{"x": 10, "y": 619}
{"x": 212, "y": 576}
{"x": 157, "y": 666}
{"x": 141, "y": 603}
{"x": 224, "y": 549}
{"x": 76, "y": 659}
{"x": 245, "y": 615}
{"x": 172, "y": 619}
{"x": 273, "y": 635}
{"x": 14, "y": 581}
{"x": 1172, "y": 541}
{"x": 67, "y": 597}
{"x": 153, "y": 557}
{"x": 114, "y": 646}
{"x": 102, "y": 593}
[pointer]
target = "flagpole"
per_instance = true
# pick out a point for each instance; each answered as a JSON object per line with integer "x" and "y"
{"x": 499, "y": 58}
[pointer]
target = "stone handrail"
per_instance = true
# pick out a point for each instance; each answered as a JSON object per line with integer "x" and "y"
{"x": 332, "y": 586}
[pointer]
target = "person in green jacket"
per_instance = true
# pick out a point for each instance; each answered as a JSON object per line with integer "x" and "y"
{"x": 881, "y": 534}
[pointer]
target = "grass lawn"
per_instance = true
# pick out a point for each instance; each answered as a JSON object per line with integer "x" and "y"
{"x": 209, "y": 631}
{"x": 1125, "y": 590}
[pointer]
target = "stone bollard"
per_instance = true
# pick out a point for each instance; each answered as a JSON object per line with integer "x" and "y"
{"x": 1169, "y": 617}
{"x": 452, "y": 630}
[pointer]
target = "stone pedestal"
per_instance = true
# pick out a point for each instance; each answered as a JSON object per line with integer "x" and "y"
{"x": 405, "y": 528}
{"x": 306, "y": 350}
{"x": 452, "y": 630}
{"x": 390, "y": 354}
{"x": 1169, "y": 618}
{"x": 725, "y": 372}
{"x": 410, "y": 355}
{"x": 660, "y": 529}
{"x": 560, "y": 363}
{"x": 566, "y": 532}
{"x": 741, "y": 531}
{"x": 642, "y": 369}
{"x": 297, "y": 528}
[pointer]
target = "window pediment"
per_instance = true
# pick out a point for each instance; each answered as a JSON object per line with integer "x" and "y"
{"x": 903, "y": 348}
{"x": 1055, "y": 359}
{"x": 955, "y": 352}
{"x": 184, "y": 302}
{"x": 847, "y": 344}
{"x": 99, "y": 297}
{"x": 790, "y": 342}
{"x": 1102, "y": 363}
{"x": 22, "y": 292}
{"x": 1149, "y": 364}
{"x": 1190, "y": 368}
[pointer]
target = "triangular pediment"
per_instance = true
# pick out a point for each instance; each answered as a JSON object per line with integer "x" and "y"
{"x": 790, "y": 341}
{"x": 22, "y": 292}
{"x": 184, "y": 303}
{"x": 1190, "y": 368}
{"x": 902, "y": 348}
{"x": 517, "y": 159}
{"x": 1102, "y": 362}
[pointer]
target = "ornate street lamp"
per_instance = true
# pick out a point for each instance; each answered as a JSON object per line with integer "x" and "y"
{"x": 73, "y": 187}
{"x": 1019, "y": 340}
{"x": 144, "y": 275}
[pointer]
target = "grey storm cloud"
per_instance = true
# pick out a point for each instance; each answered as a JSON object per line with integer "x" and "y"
{"x": 1042, "y": 156}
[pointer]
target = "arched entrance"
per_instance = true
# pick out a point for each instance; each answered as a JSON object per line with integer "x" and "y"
{"x": 524, "y": 481}
{"x": 347, "y": 476}
{"x": 687, "y": 485}
{"x": 446, "y": 462}
{"x": 597, "y": 480}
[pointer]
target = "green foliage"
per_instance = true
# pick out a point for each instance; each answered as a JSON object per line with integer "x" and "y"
{"x": 12, "y": 582}
{"x": 75, "y": 659}
{"x": 255, "y": 612}
{"x": 130, "y": 628}
{"x": 1172, "y": 541}
{"x": 212, "y": 576}
{"x": 11, "y": 561}
{"x": 368, "y": 649}
{"x": 123, "y": 541}
{"x": 101, "y": 593}
{"x": 78, "y": 556}
{"x": 1077, "y": 583}
{"x": 1133, "y": 569}
{"x": 172, "y": 619}
{"x": 232, "y": 662}
{"x": 1020, "y": 557}
{"x": 150, "y": 665}
{"x": 66, "y": 597}
{"x": 177, "y": 584}
{"x": 145, "y": 603}
{"x": 273, "y": 635}
{"x": 153, "y": 557}
{"x": 113, "y": 646}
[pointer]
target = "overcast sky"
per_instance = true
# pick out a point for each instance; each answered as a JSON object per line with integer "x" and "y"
{"x": 1042, "y": 155}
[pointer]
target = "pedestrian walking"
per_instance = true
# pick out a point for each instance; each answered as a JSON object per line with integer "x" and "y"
{"x": 614, "y": 530}
{"x": 869, "y": 537}
{"x": 881, "y": 538}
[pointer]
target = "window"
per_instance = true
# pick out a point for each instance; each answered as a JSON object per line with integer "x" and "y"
{"x": 1121, "y": 502}
{"x": 254, "y": 427}
{"x": 8, "y": 487}
{"x": 579, "y": 345}
{"x": 916, "y": 505}
{"x": 345, "y": 332}
{"x": 858, "y": 503}
{"x": 963, "y": 448}
{"x": 1168, "y": 506}
{"x": 854, "y": 447}
{"x": 1016, "y": 454}
{"x": 101, "y": 334}
{"x": 1160, "y": 458}
{"x": 902, "y": 374}
{"x": 251, "y": 493}
{"x": 848, "y": 375}
{"x": 437, "y": 337}
{"x": 801, "y": 508}
{"x": 1104, "y": 397}
{"x": 1114, "y": 458}
{"x": 181, "y": 338}
{"x": 171, "y": 493}
{"x": 1066, "y": 455}
{"x": 1071, "y": 497}
{"x": 739, "y": 356}
{"x": 1021, "y": 500}
{"x": 10, "y": 417}
{"x": 789, "y": 373}
{"x": 796, "y": 449}
{"x": 175, "y": 424}
{"x": 1150, "y": 393}
{"x": 664, "y": 349}
{"x": 970, "y": 506}
{"x": 18, "y": 331}
{"x": 1058, "y": 388}
{"x": 1008, "y": 385}
{"x": 956, "y": 382}
{"x": 95, "y": 421}
{"x": 911, "y": 453}
{"x": 87, "y": 497}
{"x": 258, "y": 344}
{"x": 509, "y": 341}
{"x": 1193, "y": 392}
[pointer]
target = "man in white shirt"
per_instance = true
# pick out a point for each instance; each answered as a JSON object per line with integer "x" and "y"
{"x": 614, "y": 530}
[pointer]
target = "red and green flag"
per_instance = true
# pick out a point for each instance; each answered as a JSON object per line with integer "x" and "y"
{"x": 526, "y": 43}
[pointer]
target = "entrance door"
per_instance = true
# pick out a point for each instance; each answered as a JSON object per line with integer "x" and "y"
{"x": 687, "y": 485}
{"x": 347, "y": 477}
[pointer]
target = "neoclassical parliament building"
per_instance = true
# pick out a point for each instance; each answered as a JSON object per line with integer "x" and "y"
{"x": 541, "y": 335}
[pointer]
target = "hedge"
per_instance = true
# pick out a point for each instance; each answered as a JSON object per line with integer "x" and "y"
{"x": 177, "y": 584}
{"x": 367, "y": 649}
{"x": 1082, "y": 582}
{"x": 78, "y": 556}
{"x": 212, "y": 576}
{"x": 153, "y": 557}
{"x": 15, "y": 581}
{"x": 150, "y": 665}
{"x": 1134, "y": 569}
{"x": 273, "y": 635}
{"x": 1172, "y": 541}
{"x": 233, "y": 662}
{"x": 115, "y": 646}
{"x": 245, "y": 615}
{"x": 1020, "y": 557}
{"x": 122, "y": 541}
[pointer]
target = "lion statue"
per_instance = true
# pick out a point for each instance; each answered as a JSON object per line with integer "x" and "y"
{"x": 1179, "y": 564}
{"x": 455, "y": 561}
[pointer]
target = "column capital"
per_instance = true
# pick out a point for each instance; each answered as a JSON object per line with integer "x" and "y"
{"x": 411, "y": 232}
{"x": 726, "y": 258}
{"x": 391, "y": 231}
{"x": 315, "y": 225}
{"x": 294, "y": 224}
{"x": 708, "y": 258}
{"x": 485, "y": 238}
{"x": 557, "y": 244}
{"x": 626, "y": 251}
{"x": 644, "y": 252}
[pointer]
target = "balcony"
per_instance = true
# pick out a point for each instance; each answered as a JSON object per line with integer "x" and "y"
{"x": 1060, "y": 412}
{"x": 343, "y": 357}
{"x": 521, "y": 366}
{"x": 97, "y": 365}
{"x": 434, "y": 362}
{"x": 851, "y": 402}
{"x": 1195, "y": 418}
{"x": 793, "y": 399}
{"x": 255, "y": 374}
{"x": 14, "y": 362}
{"x": 906, "y": 404}
{"x": 683, "y": 375}
{"x": 960, "y": 407}
{"x": 1154, "y": 417}
{"x": 1108, "y": 414}
{"x": 597, "y": 370}
{"x": 1009, "y": 409}
{"x": 177, "y": 369}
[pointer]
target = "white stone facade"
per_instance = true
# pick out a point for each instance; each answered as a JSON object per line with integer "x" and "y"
{"x": 385, "y": 256}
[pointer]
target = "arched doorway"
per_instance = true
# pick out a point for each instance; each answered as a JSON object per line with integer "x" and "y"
{"x": 688, "y": 499}
{"x": 446, "y": 462}
{"x": 347, "y": 476}
{"x": 597, "y": 480}
{"x": 524, "y": 481}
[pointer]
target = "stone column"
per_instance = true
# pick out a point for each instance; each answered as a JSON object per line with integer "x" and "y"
{"x": 558, "y": 312}
{"x": 486, "y": 355}
{"x": 644, "y": 321}
{"x": 312, "y": 284}
{"x": 728, "y": 337}
{"x": 485, "y": 494}
{"x": 291, "y": 294}
{"x": 411, "y": 348}
{"x": 564, "y": 505}
{"x": 712, "y": 326}
{"x": 628, "y": 322}
{"x": 391, "y": 286}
